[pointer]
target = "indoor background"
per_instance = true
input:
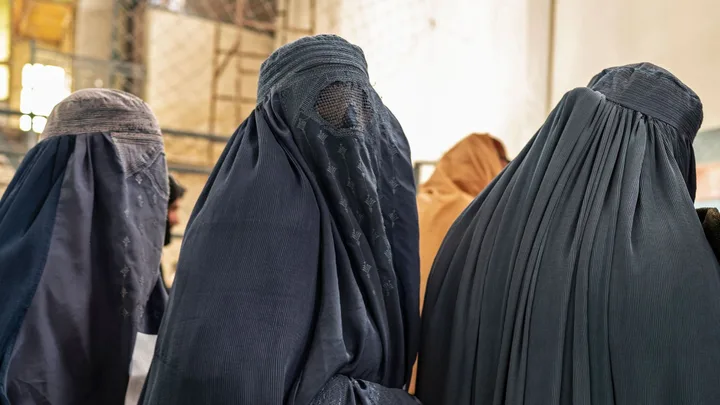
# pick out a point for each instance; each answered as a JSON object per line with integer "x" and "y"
{"x": 446, "y": 68}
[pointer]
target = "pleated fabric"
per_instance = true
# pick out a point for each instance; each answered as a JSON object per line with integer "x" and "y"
{"x": 81, "y": 232}
{"x": 297, "y": 281}
{"x": 581, "y": 275}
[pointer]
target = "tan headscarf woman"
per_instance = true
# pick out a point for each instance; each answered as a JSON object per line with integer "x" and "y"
{"x": 459, "y": 176}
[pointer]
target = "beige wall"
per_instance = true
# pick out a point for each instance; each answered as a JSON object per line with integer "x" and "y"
{"x": 682, "y": 36}
{"x": 180, "y": 53}
{"x": 179, "y": 56}
{"x": 93, "y": 28}
{"x": 450, "y": 68}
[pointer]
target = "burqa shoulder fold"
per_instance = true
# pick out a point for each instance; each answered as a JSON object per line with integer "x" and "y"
{"x": 297, "y": 281}
{"x": 581, "y": 275}
{"x": 80, "y": 244}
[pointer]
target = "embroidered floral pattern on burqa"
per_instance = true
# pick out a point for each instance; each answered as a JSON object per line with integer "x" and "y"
{"x": 311, "y": 171}
{"x": 345, "y": 112}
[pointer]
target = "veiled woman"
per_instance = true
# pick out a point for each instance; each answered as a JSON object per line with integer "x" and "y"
{"x": 581, "y": 275}
{"x": 297, "y": 281}
{"x": 81, "y": 232}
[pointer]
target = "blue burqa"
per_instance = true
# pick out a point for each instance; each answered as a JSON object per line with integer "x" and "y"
{"x": 581, "y": 275}
{"x": 81, "y": 232}
{"x": 298, "y": 277}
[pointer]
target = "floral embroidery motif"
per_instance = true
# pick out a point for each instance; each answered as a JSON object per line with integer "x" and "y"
{"x": 366, "y": 269}
{"x": 388, "y": 287}
{"x": 356, "y": 236}
{"x": 322, "y": 136}
{"x": 393, "y": 217}
{"x": 394, "y": 184}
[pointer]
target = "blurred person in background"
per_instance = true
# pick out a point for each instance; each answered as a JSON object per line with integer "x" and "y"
{"x": 81, "y": 234}
{"x": 459, "y": 176}
{"x": 710, "y": 219}
{"x": 177, "y": 192}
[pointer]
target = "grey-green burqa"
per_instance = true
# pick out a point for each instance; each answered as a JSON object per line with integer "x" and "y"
{"x": 298, "y": 276}
{"x": 581, "y": 275}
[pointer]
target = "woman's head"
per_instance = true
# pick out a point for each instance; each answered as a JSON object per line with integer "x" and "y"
{"x": 469, "y": 165}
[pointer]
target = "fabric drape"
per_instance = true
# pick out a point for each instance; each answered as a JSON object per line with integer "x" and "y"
{"x": 297, "y": 281}
{"x": 581, "y": 275}
{"x": 81, "y": 229}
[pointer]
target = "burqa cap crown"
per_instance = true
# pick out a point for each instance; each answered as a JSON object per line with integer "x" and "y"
{"x": 101, "y": 110}
{"x": 654, "y": 92}
{"x": 305, "y": 54}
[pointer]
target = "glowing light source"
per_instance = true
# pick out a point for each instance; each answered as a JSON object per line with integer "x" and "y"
{"x": 43, "y": 86}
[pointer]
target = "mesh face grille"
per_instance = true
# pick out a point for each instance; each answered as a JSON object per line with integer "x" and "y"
{"x": 344, "y": 105}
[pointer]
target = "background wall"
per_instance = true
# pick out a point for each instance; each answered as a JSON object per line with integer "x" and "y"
{"x": 447, "y": 68}
{"x": 681, "y": 36}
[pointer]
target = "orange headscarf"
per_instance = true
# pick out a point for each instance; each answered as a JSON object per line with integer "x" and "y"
{"x": 459, "y": 176}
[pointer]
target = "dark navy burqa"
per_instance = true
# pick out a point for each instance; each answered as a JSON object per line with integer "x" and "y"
{"x": 298, "y": 277}
{"x": 581, "y": 275}
{"x": 81, "y": 232}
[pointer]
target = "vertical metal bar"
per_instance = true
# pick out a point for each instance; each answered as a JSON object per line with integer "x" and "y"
{"x": 214, "y": 87}
{"x": 113, "y": 39}
{"x": 30, "y": 136}
{"x": 286, "y": 22}
{"x": 313, "y": 17}
{"x": 239, "y": 57}
{"x": 11, "y": 53}
{"x": 280, "y": 13}
{"x": 551, "y": 58}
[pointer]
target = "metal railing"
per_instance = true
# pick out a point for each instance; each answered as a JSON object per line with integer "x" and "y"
{"x": 15, "y": 146}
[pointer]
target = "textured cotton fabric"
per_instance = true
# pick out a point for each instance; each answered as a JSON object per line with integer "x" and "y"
{"x": 81, "y": 229}
{"x": 581, "y": 275}
{"x": 297, "y": 281}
